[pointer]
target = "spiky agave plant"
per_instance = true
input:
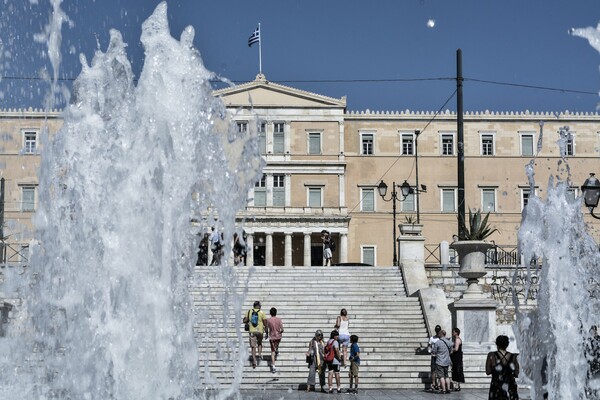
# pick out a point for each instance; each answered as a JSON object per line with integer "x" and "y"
{"x": 478, "y": 228}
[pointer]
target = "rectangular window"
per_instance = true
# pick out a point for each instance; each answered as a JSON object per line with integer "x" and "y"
{"x": 524, "y": 197}
{"x": 314, "y": 143}
{"x": 314, "y": 197}
{"x": 488, "y": 200}
{"x": 242, "y": 126}
{"x": 367, "y": 199}
{"x": 447, "y": 144}
{"x": 260, "y": 192}
{"x": 368, "y": 255}
{"x": 28, "y": 198}
{"x": 30, "y": 142}
{"x": 278, "y": 138}
{"x": 367, "y": 143}
{"x": 487, "y": 145}
{"x": 572, "y": 194}
{"x": 527, "y": 144}
{"x": 448, "y": 200}
{"x": 262, "y": 137}
{"x": 278, "y": 190}
{"x": 408, "y": 204}
{"x": 570, "y": 147}
{"x": 408, "y": 144}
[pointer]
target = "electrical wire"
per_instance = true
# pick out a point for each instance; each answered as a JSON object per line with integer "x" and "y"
{"x": 401, "y": 156}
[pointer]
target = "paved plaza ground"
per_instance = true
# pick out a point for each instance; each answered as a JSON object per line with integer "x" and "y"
{"x": 367, "y": 394}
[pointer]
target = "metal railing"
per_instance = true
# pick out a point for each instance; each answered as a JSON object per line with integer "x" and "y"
{"x": 497, "y": 255}
{"x": 10, "y": 254}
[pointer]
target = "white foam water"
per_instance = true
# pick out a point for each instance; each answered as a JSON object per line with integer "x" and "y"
{"x": 107, "y": 310}
{"x": 556, "y": 338}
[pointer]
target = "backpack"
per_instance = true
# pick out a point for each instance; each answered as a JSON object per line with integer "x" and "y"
{"x": 254, "y": 318}
{"x": 332, "y": 245}
{"x": 329, "y": 352}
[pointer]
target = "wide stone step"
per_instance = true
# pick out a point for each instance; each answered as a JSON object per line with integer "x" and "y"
{"x": 389, "y": 324}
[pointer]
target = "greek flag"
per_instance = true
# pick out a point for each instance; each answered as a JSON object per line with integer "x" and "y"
{"x": 255, "y": 37}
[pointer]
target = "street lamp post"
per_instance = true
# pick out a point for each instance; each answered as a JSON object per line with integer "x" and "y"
{"x": 382, "y": 188}
{"x": 407, "y": 189}
{"x": 591, "y": 194}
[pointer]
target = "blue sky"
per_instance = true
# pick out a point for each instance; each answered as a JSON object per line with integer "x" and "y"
{"x": 382, "y": 52}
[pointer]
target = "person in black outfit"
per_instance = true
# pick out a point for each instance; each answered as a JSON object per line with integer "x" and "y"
{"x": 458, "y": 375}
{"x": 504, "y": 368}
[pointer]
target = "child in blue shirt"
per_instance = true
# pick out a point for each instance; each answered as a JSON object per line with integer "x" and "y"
{"x": 354, "y": 363}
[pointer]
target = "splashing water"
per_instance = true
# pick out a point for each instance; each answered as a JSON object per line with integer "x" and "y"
{"x": 108, "y": 311}
{"x": 556, "y": 339}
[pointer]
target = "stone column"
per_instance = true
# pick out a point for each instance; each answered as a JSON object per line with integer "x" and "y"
{"x": 288, "y": 250}
{"x": 249, "y": 250}
{"x": 307, "y": 249}
{"x": 475, "y": 312}
{"x": 268, "y": 249}
{"x": 343, "y": 247}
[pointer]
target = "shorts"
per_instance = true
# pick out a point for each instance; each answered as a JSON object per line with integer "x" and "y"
{"x": 256, "y": 339}
{"x": 433, "y": 363}
{"x": 274, "y": 344}
{"x": 333, "y": 367}
{"x": 441, "y": 371}
{"x": 344, "y": 339}
{"x": 354, "y": 368}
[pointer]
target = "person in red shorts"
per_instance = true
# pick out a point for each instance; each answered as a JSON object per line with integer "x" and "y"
{"x": 274, "y": 329}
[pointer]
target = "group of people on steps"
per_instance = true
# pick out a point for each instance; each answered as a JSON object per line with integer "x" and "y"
{"x": 322, "y": 356}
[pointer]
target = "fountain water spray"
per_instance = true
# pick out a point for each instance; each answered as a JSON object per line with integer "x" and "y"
{"x": 107, "y": 308}
{"x": 555, "y": 339}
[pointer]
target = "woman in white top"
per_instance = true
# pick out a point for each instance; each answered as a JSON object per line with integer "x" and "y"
{"x": 342, "y": 324}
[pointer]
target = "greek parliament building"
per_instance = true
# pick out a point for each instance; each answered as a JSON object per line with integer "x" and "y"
{"x": 324, "y": 164}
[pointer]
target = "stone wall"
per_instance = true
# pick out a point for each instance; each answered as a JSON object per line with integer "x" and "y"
{"x": 498, "y": 283}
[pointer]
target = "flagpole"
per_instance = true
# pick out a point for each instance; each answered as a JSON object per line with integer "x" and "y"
{"x": 259, "y": 50}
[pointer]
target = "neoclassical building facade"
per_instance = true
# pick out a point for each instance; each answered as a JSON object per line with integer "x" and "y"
{"x": 324, "y": 164}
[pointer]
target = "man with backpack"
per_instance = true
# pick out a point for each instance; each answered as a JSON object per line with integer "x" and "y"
{"x": 331, "y": 356}
{"x": 255, "y": 321}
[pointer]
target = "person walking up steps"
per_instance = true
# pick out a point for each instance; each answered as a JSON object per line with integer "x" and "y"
{"x": 274, "y": 330}
{"x": 342, "y": 324}
{"x": 256, "y": 321}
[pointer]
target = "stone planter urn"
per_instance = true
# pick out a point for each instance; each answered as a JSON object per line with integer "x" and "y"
{"x": 411, "y": 229}
{"x": 471, "y": 254}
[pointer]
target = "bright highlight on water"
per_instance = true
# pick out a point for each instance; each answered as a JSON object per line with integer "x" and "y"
{"x": 109, "y": 312}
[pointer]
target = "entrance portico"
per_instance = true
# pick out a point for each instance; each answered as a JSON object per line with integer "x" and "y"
{"x": 294, "y": 241}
